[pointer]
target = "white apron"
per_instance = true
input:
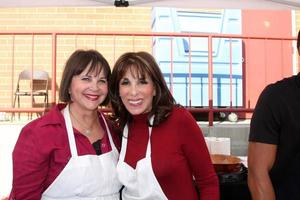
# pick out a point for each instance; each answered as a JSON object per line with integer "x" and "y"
{"x": 139, "y": 183}
{"x": 88, "y": 177}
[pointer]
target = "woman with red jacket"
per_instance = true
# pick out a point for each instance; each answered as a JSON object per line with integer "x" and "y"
{"x": 70, "y": 153}
{"x": 163, "y": 153}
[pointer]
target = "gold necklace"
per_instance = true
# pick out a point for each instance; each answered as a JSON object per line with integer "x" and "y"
{"x": 88, "y": 130}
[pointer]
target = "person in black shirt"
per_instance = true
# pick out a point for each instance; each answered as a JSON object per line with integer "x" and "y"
{"x": 274, "y": 141}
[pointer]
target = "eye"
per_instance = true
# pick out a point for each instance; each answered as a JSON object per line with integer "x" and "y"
{"x": 102, "y": 80}
{"x": 143, "y": 81}
{"x": 124, "y": 82}
{"x": 86, "y": 78}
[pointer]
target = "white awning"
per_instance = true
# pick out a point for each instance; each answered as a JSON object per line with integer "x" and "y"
{"x": 218, "y": 4}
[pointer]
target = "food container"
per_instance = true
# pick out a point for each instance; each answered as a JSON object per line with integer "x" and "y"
{"x": 226, "y": 163}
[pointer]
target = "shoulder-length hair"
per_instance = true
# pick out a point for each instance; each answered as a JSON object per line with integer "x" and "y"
{"x": 76, "y": 64}
{"x": 142, "y": 64}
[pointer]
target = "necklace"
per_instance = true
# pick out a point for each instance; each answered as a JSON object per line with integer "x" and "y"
{"x": 88, "y": 130}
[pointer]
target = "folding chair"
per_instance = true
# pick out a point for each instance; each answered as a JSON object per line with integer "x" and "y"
{"x": 32, "y": 83}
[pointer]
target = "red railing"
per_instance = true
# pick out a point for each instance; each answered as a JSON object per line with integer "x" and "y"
{"x": 246, "y": 108}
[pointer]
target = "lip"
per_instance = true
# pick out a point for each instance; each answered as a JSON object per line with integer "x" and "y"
{"x": 92, "y": 97}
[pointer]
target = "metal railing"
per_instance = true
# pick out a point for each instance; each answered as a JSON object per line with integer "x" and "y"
{"x": 54, "y": 39}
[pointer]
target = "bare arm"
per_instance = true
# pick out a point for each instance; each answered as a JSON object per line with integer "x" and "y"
{"x": 261, "y": 158}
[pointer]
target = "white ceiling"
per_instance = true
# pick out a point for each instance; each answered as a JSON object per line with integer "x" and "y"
{"x": 243, "y": 4}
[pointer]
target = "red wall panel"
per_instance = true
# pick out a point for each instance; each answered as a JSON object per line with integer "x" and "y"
{"x": 267, "y": 60}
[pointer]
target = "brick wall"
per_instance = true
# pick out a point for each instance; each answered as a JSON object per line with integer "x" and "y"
{"x": 24, "y": 51}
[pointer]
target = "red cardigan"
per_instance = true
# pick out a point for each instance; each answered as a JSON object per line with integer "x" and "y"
{"x": 179, "y": 153}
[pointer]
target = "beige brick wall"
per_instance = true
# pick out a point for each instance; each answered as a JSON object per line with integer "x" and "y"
{"x": 297, "y": 12}
{"x": 24, "y": 51}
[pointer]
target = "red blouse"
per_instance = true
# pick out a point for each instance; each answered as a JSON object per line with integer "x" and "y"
{"x": 179, "y": 153}
{"x": 42, "y": 151}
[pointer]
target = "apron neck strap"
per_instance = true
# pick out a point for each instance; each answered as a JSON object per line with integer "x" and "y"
{"x": 125, "y": 138}
{"x": 112, "y": 144}
{"x": 148, "y": 152}
{"x": 70, "y": 131}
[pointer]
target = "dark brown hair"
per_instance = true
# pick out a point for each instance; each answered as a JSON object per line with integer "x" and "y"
{"x": 76, "y": 64}
{"x": 142, "y": 63}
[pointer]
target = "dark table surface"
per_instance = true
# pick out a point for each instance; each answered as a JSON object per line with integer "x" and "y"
{"x": 233, "y": 186}
{"x": 235, "y": 191}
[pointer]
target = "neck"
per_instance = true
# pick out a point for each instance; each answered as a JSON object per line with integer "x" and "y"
{"x": 83, "y": 121}
{"x": 82, "y": 113}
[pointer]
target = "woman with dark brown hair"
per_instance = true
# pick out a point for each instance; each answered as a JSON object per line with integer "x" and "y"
{"x": 163, "y": 150}
{"x": 70, "y": 153}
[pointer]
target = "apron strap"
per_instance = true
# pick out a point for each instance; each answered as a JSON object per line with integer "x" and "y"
{"x": 125, "y": 138}
{"x": 112, "y": 144}
{"x": 124, "y": 143}
{"x": 70, "y": 131}
{"x": 148, "y": 152}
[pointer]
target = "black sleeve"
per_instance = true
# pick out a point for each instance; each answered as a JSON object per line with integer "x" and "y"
{"x": 265, "y": 122}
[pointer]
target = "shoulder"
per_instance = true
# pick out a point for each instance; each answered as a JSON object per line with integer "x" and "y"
{"x": 183, "y": 124}
{"x": 283, "y": 85}
{"x": 272, "y": 108}
{"x": 180, "y": 113}
{"x": 275, "y": 93}
{"x": 180, "y": 117}
{"x": 54, "y": 116}
{"x": 45, "y": 127}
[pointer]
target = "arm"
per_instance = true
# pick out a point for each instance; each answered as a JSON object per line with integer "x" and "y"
{"x": 197, "y": 154}
{"x": 261, "y": 158}
{"x": 29, "y": 167}
{"x": 265, "y": 128}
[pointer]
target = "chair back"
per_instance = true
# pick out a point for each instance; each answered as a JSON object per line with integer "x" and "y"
{"x": 39, "y": 79}
{"x": 36, "y": 74}
{"x": 35, "y": 84}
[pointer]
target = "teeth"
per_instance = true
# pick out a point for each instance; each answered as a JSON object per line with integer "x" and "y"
{"x": 135, "y": 102}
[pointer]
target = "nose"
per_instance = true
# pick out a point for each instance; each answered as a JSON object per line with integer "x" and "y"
{"x": 133, "y": 90}
{"x": 94, "y": 85}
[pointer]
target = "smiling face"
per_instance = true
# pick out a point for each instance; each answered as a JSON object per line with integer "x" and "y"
{"x": 88, "y": 90}
{"x": 136, "y": 92}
